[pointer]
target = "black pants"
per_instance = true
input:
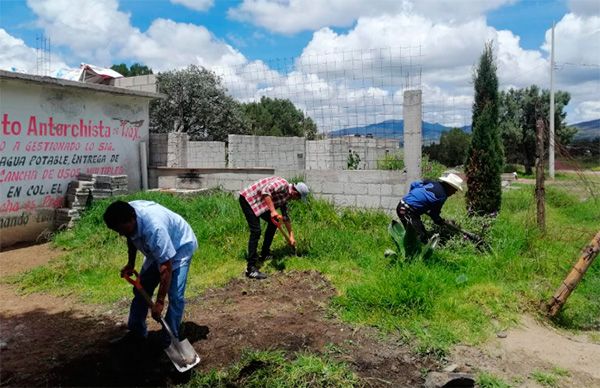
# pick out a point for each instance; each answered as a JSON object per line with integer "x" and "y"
{"x": 254, "y": 225}
{"x": 411, "y": 220}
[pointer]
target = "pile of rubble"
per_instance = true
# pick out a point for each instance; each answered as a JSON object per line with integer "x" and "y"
{"x": 83, "y": 191}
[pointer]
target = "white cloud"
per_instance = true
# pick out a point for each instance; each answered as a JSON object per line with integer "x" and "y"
{"x": 577, "y": 56}
{"x": 283, "y": 16}
{"x": 167, "y": 44}
{"x": 585, "y": 7}
{"x": 15, "y": 55}
{"x": 96, "y": 31}
{"x": 92, "y": 29}
{"x": 196, "y": 5}
{"x": 587, "y": 110}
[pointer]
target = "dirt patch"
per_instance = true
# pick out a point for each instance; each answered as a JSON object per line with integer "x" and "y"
{"x": 51, "y": 341}
{"x": 289, "y": 311}
{"x": 534, "y": 347}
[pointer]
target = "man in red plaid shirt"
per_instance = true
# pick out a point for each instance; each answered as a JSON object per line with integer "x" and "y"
{"x": 261, "y": 200}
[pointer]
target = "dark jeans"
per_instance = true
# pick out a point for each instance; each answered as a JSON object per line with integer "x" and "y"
{"x": 254, "y": 225}
{"x": 411, "y": 220}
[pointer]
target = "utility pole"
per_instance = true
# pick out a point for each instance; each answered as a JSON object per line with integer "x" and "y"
{"x": 551, "y": 139}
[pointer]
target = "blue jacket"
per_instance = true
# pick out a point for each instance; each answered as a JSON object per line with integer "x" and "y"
{"x": 427, "y": 197}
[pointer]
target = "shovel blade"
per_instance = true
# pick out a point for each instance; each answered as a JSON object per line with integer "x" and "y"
{"x": 183, "y": 355}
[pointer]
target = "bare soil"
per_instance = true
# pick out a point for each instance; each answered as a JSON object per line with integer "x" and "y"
{"x": 57, "y": 341}
{"x": 531, "y": 347}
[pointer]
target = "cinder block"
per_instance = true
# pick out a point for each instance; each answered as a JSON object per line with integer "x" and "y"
{"x": 344, "y": 200}
{"x": 399, "y": 190}
{"x": 389, "y": 203}
{"x": 386, "y": 190}
{"x": 368, "y": 201}
{"x": 374, "y": 189}
{"x": 332, "y": 188}
{"x": 167, "y": 182}
{"x": 356, "y": 188}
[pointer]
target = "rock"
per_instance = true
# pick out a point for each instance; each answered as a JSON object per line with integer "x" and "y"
{"x": 451, "y": 368}
{"x": 443, "y": 379}
{"x": 501, "y": 334}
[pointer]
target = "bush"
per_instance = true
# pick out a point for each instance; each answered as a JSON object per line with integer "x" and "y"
{"x": 430, "y": 169}
{"x": 391, "y": 161}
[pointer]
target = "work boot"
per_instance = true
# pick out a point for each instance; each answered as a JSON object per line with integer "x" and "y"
{"x": 254, "y": 273}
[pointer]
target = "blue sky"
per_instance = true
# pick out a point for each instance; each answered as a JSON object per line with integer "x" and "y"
{"x": 258, "y": 34}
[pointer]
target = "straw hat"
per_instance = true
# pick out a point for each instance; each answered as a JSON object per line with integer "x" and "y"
{"x": 453, "y": 180}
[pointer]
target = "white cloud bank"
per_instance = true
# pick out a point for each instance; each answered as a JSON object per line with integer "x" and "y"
{"x": 390, "y": 37}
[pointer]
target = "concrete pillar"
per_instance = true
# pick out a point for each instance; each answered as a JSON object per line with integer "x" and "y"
{"x": 413, "y": 139}
{"x": 177, "y": 149}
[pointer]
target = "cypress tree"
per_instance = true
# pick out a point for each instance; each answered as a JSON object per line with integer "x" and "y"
{"x": 485, "y": 156}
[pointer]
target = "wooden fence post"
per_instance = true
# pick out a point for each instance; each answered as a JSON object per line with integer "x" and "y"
{"x": 540, "y": 191}
{"x": 574, "y": 277}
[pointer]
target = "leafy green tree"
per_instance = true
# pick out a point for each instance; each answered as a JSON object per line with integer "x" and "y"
{"x": 196, "y": 103}
{"x": 134, "y": 70}
{"x": 519, "y": 111}
{"x": 278, "y": 117}
{"x": 484, "y": 157}
{"x": 452, "y": 149}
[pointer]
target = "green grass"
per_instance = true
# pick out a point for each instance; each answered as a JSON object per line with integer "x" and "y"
{"x": 545, "y": 379}
{"x": 488, "y": 380}
{"x": 458, "y": 295}
{"x": 273, "y": 369}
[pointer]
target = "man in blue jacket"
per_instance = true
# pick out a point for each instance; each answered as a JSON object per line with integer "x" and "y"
{"x": 167, "y": 242}
{"x": 427, "y": 197}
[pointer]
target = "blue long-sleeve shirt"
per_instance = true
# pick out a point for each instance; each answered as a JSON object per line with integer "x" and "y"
{"x": 161, "y": 233}
{"x": 427, "y": 197}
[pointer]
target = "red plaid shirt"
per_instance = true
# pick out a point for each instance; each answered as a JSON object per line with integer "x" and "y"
{"x": 275, "y": 187}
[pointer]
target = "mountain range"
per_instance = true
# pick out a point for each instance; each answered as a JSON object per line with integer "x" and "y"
{"x": 394, "y": 129}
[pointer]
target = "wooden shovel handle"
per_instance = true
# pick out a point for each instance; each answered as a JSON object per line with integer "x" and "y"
{"x": 138, "y": 286}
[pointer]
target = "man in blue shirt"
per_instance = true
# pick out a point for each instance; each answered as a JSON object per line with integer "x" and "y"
{"x": 167, "y": 242}
{"x": 426, "y": 197}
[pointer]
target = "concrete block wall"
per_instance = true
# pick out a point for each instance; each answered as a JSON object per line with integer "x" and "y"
{"x": 144, "y": 83}
{"x": 206, "y": 154}
{"x": 266, "y": 151}
{"x": 333, "y": 153}
{"x": 158, "y": 149}
{"x": 370, "y": 189}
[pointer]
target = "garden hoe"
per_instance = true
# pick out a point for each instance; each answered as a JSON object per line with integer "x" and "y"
{"x": 181, "y": 353}
{"x": 284, "y": 233}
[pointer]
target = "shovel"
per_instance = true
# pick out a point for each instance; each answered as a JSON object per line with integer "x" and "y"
{"x": 181, "y": 353}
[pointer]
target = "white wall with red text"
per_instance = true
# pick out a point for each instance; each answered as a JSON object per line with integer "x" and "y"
{"x": 51, "y": 133}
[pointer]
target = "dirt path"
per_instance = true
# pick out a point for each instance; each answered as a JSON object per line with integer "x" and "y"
{"x": 535, "y": 347}
{"x": 51, "y": 341}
